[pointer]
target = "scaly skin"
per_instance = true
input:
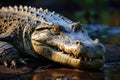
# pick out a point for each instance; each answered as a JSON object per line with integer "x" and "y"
{"x": 41, "y": 32}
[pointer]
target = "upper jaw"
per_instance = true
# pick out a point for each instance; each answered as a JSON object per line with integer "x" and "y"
{"x": 83, "y": 56}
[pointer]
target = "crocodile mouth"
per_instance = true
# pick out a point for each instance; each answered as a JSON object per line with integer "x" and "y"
{"x": 70, "y": 59}
{"x": 81, "y": 58}
{"x": 80, "y": 61}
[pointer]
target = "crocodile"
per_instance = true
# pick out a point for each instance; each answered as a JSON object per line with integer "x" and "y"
{"x": 27, "y": 31}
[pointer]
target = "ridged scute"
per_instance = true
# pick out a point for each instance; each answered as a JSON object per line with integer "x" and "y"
{"x": 40, "y": 14}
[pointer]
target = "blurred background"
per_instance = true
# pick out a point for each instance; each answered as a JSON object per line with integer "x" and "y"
{"x": 100, "y": 17}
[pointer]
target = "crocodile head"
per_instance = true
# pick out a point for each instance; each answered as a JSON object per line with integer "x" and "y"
{"x": 64, "y": 41}
{"x": 68, "y": 45}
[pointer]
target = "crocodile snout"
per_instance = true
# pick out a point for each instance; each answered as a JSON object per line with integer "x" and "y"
{"x": 92, "y": 51}
{"x": 91, "y": 54}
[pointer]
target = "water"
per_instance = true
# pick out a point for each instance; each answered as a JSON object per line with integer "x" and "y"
{"x": 66, "y": 74}
{"x": 103, "y": 32}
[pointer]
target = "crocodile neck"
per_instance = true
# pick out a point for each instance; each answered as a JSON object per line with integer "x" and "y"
{"x": 27, "y": 40}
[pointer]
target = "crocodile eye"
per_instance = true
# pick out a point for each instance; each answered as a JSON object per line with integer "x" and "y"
{"x": 56, "y": 30}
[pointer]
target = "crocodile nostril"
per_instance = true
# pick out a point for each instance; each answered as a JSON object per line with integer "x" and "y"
{"x": 78, "y": 43}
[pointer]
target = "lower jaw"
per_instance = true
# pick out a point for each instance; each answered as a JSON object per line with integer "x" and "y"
{"x": 96, "y": 64}
{"x": 76, "y": 63}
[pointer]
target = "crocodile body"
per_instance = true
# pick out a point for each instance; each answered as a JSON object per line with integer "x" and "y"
{"x": 38, "y": 32}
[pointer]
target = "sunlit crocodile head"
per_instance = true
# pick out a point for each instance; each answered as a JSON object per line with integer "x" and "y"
{"x": 69, "y": 45}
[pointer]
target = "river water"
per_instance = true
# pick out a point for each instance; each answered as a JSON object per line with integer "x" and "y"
{"x": 68, "y": 74}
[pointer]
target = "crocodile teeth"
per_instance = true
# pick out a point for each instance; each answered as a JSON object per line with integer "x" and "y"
{"x": 85, "y": 59}
{"x": 80, "y": 58}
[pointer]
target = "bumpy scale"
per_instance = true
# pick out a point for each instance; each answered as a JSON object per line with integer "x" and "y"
{"x": 38, "y": 32}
